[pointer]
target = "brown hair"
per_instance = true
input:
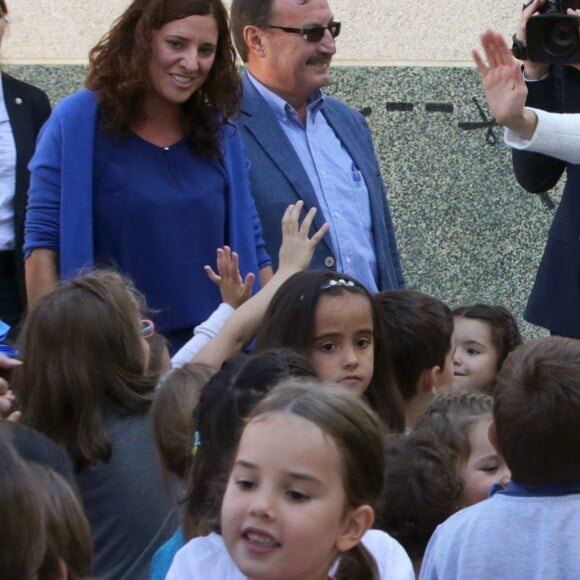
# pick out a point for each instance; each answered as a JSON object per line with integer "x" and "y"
{"x": 451, "y": 416}
{"x": 118, "y": 71}
{"x": 248, "y": 13}
{"x": 358, "y": 435}
{"x": 22, "y": 515}
{"x": 505, "y": 334}
{"x": 536, "y": 411}
{"x": 421, "y": 328}
{"x": 68, "y": 531}
{"x": 422, "y": 489}
{"x": 172, "y": 415}
{"x": 159, "y": 357}
{"x": 3, "y": 8}
{"x": 225, "y": 402}
{"x": 82, "y": 347}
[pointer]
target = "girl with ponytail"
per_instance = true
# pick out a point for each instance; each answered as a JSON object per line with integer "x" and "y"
{"x": 298, "y": 501}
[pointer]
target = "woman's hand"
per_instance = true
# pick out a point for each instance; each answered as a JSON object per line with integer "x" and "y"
{"x": 504, "y": 86}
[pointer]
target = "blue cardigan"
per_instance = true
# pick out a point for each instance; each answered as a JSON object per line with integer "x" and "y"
{"x": 60, "y": 206}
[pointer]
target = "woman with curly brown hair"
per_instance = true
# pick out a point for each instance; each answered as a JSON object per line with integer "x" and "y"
{"x": 143, "y": 171}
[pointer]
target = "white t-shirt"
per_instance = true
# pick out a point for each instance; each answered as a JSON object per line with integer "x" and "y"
{"x": 206, "y": 558}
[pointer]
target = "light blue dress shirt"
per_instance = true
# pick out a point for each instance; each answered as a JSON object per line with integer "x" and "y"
{"x": 338, "y": 183}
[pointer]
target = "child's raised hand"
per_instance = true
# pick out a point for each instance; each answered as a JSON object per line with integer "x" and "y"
{"x": 297, "y": 248}
{"x": 233, "y": 289}
{"x": 7, "y": 397}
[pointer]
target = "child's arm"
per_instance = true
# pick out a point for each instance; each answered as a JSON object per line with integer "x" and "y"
{"x": 295, "y": 255}
{"x": 234, "y": 292}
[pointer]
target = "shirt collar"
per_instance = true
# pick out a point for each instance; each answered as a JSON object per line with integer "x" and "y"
{"x": 552, "y": 489}
{"x": 283, "y": 110}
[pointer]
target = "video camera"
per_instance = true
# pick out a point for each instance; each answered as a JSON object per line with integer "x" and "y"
{"x": 553, "y": 36}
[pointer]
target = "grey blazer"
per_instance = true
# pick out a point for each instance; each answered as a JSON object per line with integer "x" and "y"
{"x": 277, "y": 179}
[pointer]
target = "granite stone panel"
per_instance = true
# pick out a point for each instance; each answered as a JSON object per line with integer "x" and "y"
{"x": 467, "y": 231}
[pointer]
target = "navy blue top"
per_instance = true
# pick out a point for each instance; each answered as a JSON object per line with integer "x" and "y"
{"x": 159, "y": 216}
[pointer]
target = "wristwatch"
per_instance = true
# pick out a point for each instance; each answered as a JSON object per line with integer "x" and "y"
{"x": 519, "y": 49}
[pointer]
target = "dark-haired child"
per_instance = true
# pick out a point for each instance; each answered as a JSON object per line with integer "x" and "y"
{"x": 422, "y": 489}
{"x": 484, "y": 335}
{"x": 330, "y": 318}
{"x": 224, "y": 402}
{"x": 529, "y": 530}
{"x": 23, "y": 542}
{"x": 460, "y": 421}
{"x": 85, "y": 385}
{"x": 172, "y": 412}
{"x": 68, "y": 554}
{"x": 298, "y": 500}
{"x": 419, "y": 330}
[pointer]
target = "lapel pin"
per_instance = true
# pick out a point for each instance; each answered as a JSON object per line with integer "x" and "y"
{"x": 18, "y": 101}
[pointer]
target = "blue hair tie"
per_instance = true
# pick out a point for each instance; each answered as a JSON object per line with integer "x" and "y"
{"x": 196, "y": 443}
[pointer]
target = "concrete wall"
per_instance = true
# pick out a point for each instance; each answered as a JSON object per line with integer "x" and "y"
{"x": 467, "y": 231}
{"x": 375, "y": 32}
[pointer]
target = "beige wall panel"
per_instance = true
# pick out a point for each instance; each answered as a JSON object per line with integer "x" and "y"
{"x": 381, "y": 32}
{"x": 57, "y": 31}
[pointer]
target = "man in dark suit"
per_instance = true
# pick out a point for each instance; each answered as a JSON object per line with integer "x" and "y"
{"x": 305, "y": 145}
{"x": 23, "y": 110}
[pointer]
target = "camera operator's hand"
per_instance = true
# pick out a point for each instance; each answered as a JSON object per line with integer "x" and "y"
{"x": 534, "y": 70}
{"x": 576, "y": 13}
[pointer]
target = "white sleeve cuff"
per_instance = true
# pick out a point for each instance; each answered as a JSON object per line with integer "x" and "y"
{"x": 202, "y": 334}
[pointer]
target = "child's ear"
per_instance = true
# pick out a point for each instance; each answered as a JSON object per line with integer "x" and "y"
{"x": 356, "y": 524}
{"x": 428, "y": 380}
{"x": 492, "y": 436}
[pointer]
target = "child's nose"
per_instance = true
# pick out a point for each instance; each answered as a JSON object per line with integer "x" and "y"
{"x": 262, "y": 506}
{"x": 350, "y": 357}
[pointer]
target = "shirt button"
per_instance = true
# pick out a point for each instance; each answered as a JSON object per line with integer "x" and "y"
{"x": 348, "y": 260}
{"x": 329, "y": 261}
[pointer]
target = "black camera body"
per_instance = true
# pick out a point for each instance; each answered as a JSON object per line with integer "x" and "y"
{"x": 552, "y": 36}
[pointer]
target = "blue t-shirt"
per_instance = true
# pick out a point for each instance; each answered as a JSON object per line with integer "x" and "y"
{"x": 159, "y": 216}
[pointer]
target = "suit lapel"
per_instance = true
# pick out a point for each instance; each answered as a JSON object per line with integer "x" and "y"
{"x": 17, "y": 108}
{"x": 261, "y": 122}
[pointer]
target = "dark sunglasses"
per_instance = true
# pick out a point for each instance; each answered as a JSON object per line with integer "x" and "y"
{"x": 311, "y": 33}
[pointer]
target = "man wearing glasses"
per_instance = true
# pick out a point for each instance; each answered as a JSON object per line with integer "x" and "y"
{"x": 305, "y": 145}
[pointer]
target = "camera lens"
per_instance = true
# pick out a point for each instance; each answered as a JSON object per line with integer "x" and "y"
{"x": 561, "y": 38}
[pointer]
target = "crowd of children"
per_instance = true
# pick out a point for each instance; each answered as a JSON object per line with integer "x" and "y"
{"x": 312, "y": 431}
{"x": 128, "y": 464}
